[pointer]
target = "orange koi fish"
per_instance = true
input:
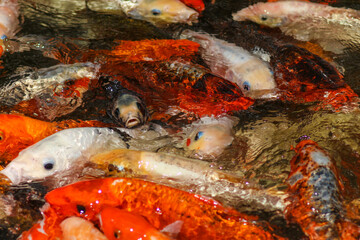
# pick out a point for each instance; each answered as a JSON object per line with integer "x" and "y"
{"x": 18, "y": 132}
{"x": 315, "y": 201}
{"x": 120, "y": 224}
{"x": 202, "y": 218}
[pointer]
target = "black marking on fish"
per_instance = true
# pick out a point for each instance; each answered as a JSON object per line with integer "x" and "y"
{"x": 123, "y": 135}
{"x": 326, "y": 195}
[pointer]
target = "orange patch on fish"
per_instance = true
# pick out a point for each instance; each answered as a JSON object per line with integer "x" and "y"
{"x": 198, "y": 5}
{"x": 203, "y": 218}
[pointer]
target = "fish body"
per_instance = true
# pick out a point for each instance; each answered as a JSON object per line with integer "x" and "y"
{"x": 198, "y": 5}
{"x": 233, "y": 63}
{"x": 61, "y": 152}
{"x": 76, "y": 228}
{"x": 120, "y": 224}
{"x": 203, "y": 218}
{"x": 191, "y": 88}
{"x": 54, "y": 91}
{"x": 315, "y": 202}
{"x": 301, "y": 76}
{"x": 158, "y": 12}
{"x": 18, "y": 132}
{"x": 333, "y": 28}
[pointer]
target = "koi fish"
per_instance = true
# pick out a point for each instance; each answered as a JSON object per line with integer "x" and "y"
{"x": 120, "y": 224}
{"x": 233, "y": 63}
{"x": 76, "y": 228}
{"x": 126, "y": 107}
{"x": 183, "y": 173}
{"x": 203, "y": 218}
{"x": 333, "y": 28}
{"x": 54, "y": 91}
{"x": 60, "y": 152}
{"x": 208, "y": 137}
{"x": 157, "y": 12}
{"x": 190, "y": 88}
{"x": 9, "y": 20}
{"x": 315, "y": 202}
{"x": 18, "y": 132}
{"x": 180, "y": 84}
{"x": 300, "y": 75}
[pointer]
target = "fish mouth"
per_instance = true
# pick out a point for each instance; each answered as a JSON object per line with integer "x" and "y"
{"x": 132, "y": 122}
{"x": 193, "y": 18}
{"x": 11, "y": 175}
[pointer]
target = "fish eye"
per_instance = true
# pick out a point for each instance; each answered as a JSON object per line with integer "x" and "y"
{"x": 199, "y": 135}
{"x": 117, "y": 112}
{"x": 155, "y": 12}
{"x": 246, "y": 86}
{"x": 49, "y": 164}
{"x": 264, "y": 17}
{"x": 81, "y": 209}
{"x": 117, "y": 234}
{"x": 1, "y": 135}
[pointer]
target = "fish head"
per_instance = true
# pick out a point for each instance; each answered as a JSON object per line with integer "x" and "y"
{"x": 120, "y": 224}
{"x": 129, "y": 110}
{"x": 164, "y": 12}
{"x": 41, "y": 160}
{"x": 268, "y": 14}
{"x": 209, "y": 140}
{"x": 252, "y": 76}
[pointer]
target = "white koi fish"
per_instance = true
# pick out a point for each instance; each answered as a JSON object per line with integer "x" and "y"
{"x": 233, "y": 63}
{"x": 333, "y": 28}
{"x": 61, "y": 152}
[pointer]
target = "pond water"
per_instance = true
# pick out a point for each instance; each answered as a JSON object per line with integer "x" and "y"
{"x": 267, "y": 130}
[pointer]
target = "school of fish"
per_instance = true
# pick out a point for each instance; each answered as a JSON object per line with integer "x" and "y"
{"x": 126, "y": 139}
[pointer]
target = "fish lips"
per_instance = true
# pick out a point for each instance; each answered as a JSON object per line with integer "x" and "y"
{"x": 12, "y": 173}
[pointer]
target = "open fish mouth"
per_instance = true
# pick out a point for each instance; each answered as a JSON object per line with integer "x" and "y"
{"x": 132, "y": 122}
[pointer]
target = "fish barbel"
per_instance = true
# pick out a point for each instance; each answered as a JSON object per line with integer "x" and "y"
{"x": 158, "y": 12}
{"x": 203, "y": 218}
{"x": 315, "y": 201}
{"x": 333, "y": 28}
{"x": 18, "y": 132}
{"x": 233, "y": 63}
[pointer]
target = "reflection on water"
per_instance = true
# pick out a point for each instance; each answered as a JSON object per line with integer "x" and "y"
{"x": 265, "y": 133}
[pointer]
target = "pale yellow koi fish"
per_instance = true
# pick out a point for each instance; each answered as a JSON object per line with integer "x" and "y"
{"x": 333, "y": 28}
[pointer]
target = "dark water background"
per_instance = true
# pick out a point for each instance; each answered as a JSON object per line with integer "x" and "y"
{"x": 270, "y": 129}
